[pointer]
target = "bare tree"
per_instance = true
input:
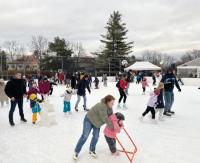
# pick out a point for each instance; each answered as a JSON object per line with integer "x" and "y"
{"x": 39, "y": 45}
{"x": 14, "y": 49}
{"x": 152, "y": 56}
{"x": 78, "y": 52}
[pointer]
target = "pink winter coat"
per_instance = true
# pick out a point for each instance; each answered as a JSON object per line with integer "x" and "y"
{"x": 144, "y": 83}
{"x": 111, "y": 133}
{"x": 44, "y": 87}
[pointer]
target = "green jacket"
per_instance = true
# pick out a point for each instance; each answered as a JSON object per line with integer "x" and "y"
{"x": 98, "y": 115}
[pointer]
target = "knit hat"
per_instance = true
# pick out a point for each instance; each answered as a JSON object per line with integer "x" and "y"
{"x": 157, "y": 91}
{"x": 120, "y": 116}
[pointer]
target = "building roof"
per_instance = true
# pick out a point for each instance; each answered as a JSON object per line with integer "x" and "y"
{"x": 29, "y": 59}
{"x": 193, "y": 63}
{"x": 141, "y": 66}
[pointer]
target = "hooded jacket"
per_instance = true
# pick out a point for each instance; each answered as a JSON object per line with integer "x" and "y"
{"x": 99, "y": 115}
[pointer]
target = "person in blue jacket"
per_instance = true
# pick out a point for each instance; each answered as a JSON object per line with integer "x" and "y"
{"x": 82, "y": 85}
{"x": 169, "y": 80}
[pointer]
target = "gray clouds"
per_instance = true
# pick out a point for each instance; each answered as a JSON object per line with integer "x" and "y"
{"x": 164, "y": 25}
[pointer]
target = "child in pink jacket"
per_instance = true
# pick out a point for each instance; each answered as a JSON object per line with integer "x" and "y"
{"x": 110, "y": 134}
{"x": 144, "y": 84}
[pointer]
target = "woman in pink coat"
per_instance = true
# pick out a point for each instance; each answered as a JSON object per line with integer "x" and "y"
{"x": 110, "y": 134}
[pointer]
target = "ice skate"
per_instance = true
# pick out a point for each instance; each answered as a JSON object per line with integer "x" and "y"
{"x": 75, "y": 156}
{"x": 141, "y": 118}
{"x": 153, "y": 121}
{"x": 76, "y": 109}
{"x": 124, "y": 106}
{"x": 119, "y": 106}
{"x": 93, "y": 154}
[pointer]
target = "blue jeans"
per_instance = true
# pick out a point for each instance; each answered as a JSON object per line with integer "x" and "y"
{"x": 169, "y": 100}
{"x": 67, "y": 106}
{"x": 87, "y": 127}
{"x": 79, "y": 99}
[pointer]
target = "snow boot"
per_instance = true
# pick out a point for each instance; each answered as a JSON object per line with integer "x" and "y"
{"x": 171, "y": 112}
{"x": 12, "y": 124}
{"x": 153, "y": 121}
{"x": 23, "y": 120}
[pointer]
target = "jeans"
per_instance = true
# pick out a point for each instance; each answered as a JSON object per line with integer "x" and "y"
{"x": 87, "y": 127}
{"x": 13, "y": 106}
{"x": 79, "y": 99}
{"x": 169, "y": 100}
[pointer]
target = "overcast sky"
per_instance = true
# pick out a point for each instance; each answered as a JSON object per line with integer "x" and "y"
{"x": 169, "y": 26}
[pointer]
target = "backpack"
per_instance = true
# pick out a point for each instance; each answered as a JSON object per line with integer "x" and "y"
{"x": 118, "y": 84}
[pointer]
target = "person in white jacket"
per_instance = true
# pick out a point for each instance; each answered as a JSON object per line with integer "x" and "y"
{"x": 67, "y": 98}
{"x": 152, "y": 103}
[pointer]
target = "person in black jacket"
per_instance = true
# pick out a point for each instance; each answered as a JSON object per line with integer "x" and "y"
{"x": 15, "y": 89}
{"x": 81, "y": 91}
{"x": 73, "y": 81}
{"x": 169, "y": 80}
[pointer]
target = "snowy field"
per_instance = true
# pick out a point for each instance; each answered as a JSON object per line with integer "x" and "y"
{"x": 176, "y": 140}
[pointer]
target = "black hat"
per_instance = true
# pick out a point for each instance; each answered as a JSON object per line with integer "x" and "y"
{"x": 120, "y": 116}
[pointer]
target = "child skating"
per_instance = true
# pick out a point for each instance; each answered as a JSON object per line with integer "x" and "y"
{"x": 160, "y": 102}
{"x": 67, "y": 98}
{"x": 122, "y": 85}
{"x": 110, "y": 134}
{"x": 145, "y": 84}
{"x": 152, "y": 103}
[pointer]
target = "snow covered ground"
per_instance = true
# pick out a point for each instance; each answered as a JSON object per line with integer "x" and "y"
{"x": 176, "y": 140}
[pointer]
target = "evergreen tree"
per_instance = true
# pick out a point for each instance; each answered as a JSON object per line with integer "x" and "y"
{"x": 116, "y": 46}
{"x": 61, "y": 47}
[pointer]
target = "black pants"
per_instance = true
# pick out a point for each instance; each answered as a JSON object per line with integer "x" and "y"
{"x": 122, "y": 95}
{"x": 144, "y": 89}
{"x": 13, "y": 106}
{"x": 111, "y": 144}
{"x": 150, "y": 109}
{"x": 51, "y": 91}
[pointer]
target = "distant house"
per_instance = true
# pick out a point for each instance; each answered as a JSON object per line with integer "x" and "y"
{"x": 189, "y": 69}
{"x": 24, "y": 63}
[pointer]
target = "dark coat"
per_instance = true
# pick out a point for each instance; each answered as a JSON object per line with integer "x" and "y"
{"x": 169, "y": 81}
{"x": 81, "y": 86}
{"x": 15, "y": 88}
{"x": 160, "y": 100}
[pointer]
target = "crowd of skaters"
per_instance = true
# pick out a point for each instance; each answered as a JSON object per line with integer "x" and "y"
{"x": 161, "y": 100}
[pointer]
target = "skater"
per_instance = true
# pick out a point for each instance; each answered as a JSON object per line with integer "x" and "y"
{"x": 33, "y": 90}
{"x": 96, "y": 82}
{"x": 152, "y": 104}
{"x": 160, "y": 102}
{"x": 154, "y": 79}
{"x": 3, "y": 96}
{"x": 81, "y": 86}
{"x": 144, "y": 85}
{"x": 44, "y": 87}
{"x": 67, "y": 98}
{"x": 90, "y": 80}
{"x": 67, "y": 80}
{"x": 95, "y": 118}
{"x": 110, "y": 134}
{"x": 129, "y": 75}
{"x": 15, "y": 89}
{"x": 73, "y": 81}
{"x": 138, "y": 78}
{"x": 169, "y": 81}
{"x": 105, "y": 79}
{"x": 34, "y": 104}
{"x": 52, "y": 83}
{"x": 121, "y": 85}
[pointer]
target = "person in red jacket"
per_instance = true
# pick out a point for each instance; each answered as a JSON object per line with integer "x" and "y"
{"x": 44, "y": 87}
{"x": 122, "y": 91}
